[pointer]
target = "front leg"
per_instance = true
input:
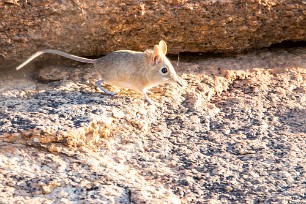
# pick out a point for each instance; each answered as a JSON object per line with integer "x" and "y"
{"x": 147, "y": 98}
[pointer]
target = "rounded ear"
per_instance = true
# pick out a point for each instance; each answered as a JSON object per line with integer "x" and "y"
{"x": 163, "y": 47}
{"x": 157, "y": 50}
{"x": 153, "y": 56}
{"x": 157, "y": 54}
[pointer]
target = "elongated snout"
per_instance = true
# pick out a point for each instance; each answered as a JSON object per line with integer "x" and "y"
{"x": 180, "y": 83}
{"x": 177, "y": 80}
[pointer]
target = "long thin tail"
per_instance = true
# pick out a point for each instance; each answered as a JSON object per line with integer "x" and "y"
{"x": 56, "y": 52}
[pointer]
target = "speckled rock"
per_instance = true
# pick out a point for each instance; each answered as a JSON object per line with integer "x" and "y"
{"x": 93, "y": 28}
{"x": 234, "y": 134}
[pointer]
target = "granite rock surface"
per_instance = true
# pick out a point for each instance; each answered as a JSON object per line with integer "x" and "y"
{"x": 95, "y": 28}
{"x": 234, "y": 134}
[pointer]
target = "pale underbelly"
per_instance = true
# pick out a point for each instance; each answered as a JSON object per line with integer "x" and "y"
{"x": 122, "y": 84}
{"x": 134, "y": 86}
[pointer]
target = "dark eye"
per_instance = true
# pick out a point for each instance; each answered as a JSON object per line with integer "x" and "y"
{"x": 164, "y": 70}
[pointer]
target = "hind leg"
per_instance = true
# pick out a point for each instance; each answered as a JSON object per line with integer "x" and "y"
{"x": 98, "y": 84}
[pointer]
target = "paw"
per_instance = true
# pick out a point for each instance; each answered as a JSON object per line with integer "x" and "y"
{"x": 150, "y": 101}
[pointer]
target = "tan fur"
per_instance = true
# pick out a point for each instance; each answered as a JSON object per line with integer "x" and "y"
{"x": 129, "y": 69}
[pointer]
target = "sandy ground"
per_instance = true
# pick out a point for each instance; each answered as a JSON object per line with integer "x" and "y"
{"x": 234, "y": 134}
